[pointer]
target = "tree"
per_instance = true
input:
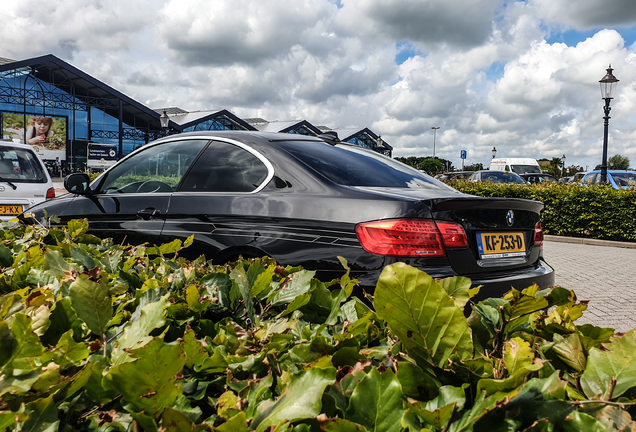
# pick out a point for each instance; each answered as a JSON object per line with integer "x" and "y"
{"x": 554, "y": 167}
{"x": 617, "y": 162}
{"x": 416, "y": 162}
{"x": 474, "y": 167}
{"x": 432, "y": 166}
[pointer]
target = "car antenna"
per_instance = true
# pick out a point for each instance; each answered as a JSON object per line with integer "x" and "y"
{"x": 330, "y": 137}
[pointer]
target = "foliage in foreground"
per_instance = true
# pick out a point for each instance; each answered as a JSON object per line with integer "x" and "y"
{"x": 573, "y": 210}
{"x": 101, "y": 337}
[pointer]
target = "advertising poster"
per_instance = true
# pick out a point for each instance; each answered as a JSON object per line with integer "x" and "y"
{"x": 47, "y": 134}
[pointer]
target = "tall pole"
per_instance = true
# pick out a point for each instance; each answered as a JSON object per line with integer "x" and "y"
{"x": 434, "y": 136}
{"x": 608, "y": 87}
{"x": 607, "y": 110}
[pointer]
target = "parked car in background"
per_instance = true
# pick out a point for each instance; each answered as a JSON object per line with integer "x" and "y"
{"x": 454, "y": 175}
{"x": 619, "y": 179}
{"x": 507, "y": 177}
{"x": 578, "y": 177}
{"x": 307, "y": 201}
{"x": 565, "y": 180}
{"x": 538, "y": 178}
{"x": 24, "y": 181}
{"x": 516, "y": 165}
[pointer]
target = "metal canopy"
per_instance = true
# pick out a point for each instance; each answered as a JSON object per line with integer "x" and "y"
{"x": 88, "y": 90}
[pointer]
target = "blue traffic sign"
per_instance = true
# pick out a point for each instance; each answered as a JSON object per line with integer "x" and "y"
{"x": 463, "y": 154}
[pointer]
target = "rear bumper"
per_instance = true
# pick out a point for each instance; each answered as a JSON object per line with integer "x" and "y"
{"x": 542, "y": 275}
{"x": 493, "y": 286}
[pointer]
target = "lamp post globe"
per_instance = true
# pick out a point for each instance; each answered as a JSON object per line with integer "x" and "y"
{"x": 164, "y": 119}
{"x": 494, "y": 152}
{"x": 562, "y": 165}
{"x": 608, "y": 88}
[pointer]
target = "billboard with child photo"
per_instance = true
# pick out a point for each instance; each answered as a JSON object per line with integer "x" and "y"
{"x": 47, "y": 134}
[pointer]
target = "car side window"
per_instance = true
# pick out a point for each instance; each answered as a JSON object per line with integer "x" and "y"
{"x": 589, "y": 178}
{"x": 157, "y": 169}
{"x": 225, "y": 167}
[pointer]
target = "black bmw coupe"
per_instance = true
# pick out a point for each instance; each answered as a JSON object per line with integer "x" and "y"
{"x": 305, "y": 201}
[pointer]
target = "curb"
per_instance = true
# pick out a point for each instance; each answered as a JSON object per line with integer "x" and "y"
{"x": 587, "y": 241}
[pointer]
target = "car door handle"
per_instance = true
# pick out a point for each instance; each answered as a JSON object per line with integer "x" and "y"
{"x": 148, "y": 213}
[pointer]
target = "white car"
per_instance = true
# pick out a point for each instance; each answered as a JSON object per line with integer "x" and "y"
{"x": 24, "y": 180}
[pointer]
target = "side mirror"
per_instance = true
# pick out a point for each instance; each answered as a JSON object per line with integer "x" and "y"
{"x": 78, "y": 183}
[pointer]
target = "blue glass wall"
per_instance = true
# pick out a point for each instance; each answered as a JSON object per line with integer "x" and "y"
{"x": 23, "y": 96}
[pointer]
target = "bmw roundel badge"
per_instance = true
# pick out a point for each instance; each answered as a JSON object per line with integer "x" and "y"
{"x": 510, "y": 217}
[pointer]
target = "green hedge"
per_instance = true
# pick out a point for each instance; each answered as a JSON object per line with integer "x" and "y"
{"x": 597, "y": 212}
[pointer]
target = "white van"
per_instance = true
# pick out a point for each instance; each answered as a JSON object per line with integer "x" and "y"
{"x": 24, "y": 180}
{"x": 516, "y": 165}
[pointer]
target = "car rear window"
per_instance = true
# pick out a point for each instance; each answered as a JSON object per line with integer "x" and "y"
{"x": 523, "y": 169}
{"x": 20, "y": 165}
{"x": 502, "y": 177}
{"x": 625, "y": 179}
{"x": 351, "y": 165}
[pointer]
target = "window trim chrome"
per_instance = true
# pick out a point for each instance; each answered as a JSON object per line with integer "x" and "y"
{"x": 209, "y": 139}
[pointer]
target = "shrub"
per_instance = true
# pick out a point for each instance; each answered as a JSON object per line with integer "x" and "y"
{"x": 598, "y": 212}
{"x": 97, "y": 336}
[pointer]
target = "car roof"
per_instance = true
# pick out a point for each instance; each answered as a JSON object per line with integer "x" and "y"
{"x": 498, "y": 172}
{"x": 241, "y": 135}
{"x": 611, "y": 171}
{"x": 4, "y": 143}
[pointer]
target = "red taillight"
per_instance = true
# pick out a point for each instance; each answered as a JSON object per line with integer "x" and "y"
{"x": 538, "y": 235}
{"x": 453, "y": 235}
{"x": 410, "y": 237}
{"x": 50, "y": 193}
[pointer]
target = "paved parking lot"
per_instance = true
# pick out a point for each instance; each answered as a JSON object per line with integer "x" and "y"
{"x": 603, "y": 275}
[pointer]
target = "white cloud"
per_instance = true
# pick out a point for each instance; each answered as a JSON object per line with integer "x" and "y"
{"x": 31, "y": 28}
{"x": 586, "y": 14}
{"x": 485, "y": 71}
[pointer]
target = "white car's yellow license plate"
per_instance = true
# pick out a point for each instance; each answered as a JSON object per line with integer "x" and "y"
{"x": 10, "y": 209}
{"x": 501, "y": 245}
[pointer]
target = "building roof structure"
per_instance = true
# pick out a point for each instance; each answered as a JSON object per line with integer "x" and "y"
{"x": 186, "y": 119}
{"x": 80, "y": 87}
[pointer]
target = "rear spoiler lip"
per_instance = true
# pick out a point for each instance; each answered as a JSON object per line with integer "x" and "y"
{"x": 462, "y": 203}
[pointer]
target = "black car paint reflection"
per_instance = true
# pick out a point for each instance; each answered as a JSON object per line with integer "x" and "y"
{"x": 297, "y": 199}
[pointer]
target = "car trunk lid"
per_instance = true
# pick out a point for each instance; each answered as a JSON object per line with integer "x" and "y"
{"x": 500, "y": 232}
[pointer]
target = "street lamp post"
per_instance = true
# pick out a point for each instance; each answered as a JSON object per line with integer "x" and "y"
{"x": 164, "y": 119}
{"x": 494, "y": 152}
{"x": 434, "y": 136}
{"x": 608, "y": 87}
{"x": 563, "y": 166}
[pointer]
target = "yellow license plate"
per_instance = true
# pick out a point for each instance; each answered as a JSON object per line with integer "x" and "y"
{"x": 10, "y": 209}
{"x": 501, "y": 245}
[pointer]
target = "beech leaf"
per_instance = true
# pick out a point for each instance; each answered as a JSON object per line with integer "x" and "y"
{"x": 617, "y": 361}
{"x": 421, "y": 313}
{"x": 92, "y": 303}
{"x": 149, "y": 381}
{"x": 376, "y": 402}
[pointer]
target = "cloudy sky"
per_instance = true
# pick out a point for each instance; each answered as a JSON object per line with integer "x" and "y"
{"x": 519, "y": 76}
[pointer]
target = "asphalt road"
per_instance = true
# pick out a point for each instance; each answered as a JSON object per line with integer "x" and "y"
{"x": 604, "y": 275}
